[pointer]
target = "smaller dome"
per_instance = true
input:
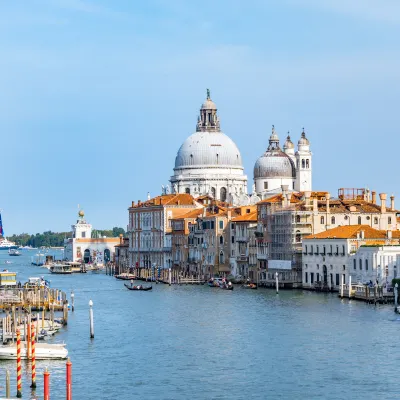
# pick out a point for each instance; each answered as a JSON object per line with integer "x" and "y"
{"x": 288, "y": 144}
{"x": 208, "y": 105}
{"x": 274, "y": 164}
{"x": 303, "y": 141}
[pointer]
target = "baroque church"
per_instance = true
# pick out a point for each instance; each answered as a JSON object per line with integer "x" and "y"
{"x": 210, "y": 163}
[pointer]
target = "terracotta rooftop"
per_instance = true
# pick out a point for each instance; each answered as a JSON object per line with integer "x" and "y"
{"x": 350, "y": 232}
{"x": 190, "y": 214}
{"x": 251, "y": 217}
{"x": 181, "y": 199}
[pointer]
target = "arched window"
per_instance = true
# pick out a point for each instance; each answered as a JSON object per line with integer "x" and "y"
{"x": 307, "y": 163}
{"x": 217, "y": 159}
{"x": 187, "y": 190}
{"x": 359, "y": 220}
{"x": 221, "y": 240}
{"x": 333, "y": 220}
{"x": 322, "y": 220}
{"x": 360, "y": 262}
{"x": 376, "y": 220}
{"x": 223, "y": 194}
{"x": 298, "y": 237}
{"x": 213, "y": 192}
{"x": 303, "y": 163}
{"x": 221, "y": 257}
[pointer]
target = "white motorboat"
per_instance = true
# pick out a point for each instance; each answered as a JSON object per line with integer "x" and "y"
{"x": 60, "y": 269}
{"x": 13, "y": 252}
{"x": 43, "y": 351}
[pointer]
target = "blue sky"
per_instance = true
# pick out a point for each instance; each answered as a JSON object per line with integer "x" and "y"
{"x": 97, "y": 96}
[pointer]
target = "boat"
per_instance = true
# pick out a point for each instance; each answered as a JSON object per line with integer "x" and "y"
{"x": 13, "y": 252}
{"x": 139, "y": 287}
{"x": 38, "y": 259}
{"x": 8, "y": 262}
{"x": 226, "y": 287}
{"x": 43, "y": 351}
{"x": 8, "y": 279}
{"x": 249, "y": 286}
{"x": 76, "y": 267}
{"x": 62, "y": 269}
{"x": 215, "y": 282}
{"x": 37, "y": 283}
{"x": 125, "y": 276}
{"x": 4, "y": 243}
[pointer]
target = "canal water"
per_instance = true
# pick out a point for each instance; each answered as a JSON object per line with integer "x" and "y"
{"x": 196, "y": 342}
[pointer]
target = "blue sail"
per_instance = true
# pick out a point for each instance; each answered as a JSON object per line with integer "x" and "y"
{"x": 1, "y": 228}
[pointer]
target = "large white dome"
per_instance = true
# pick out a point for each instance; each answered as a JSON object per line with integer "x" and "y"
{"x": 208, "y": 149}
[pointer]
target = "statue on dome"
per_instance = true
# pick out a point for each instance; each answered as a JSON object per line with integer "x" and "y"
{"x": 162, "y": 190}
{"x": 254, "y": 189}
{"x": 167, "y": 190}
{"x": 176, "y": 188}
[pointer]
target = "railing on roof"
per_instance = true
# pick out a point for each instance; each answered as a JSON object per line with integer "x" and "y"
{"x": 351, "y": 194}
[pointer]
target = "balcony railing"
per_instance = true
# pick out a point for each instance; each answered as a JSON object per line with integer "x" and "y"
{"x": 242, "y": 258}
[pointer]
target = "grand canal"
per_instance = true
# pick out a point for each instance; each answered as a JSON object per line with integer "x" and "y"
{"x": 202, "y": 343}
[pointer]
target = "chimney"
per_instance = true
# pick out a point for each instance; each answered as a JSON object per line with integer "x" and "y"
{"x": 284, "y": 193}
{"x": 121, "y": 238}
{"x": 373, "y": 197}
{"x": 204, "y": 211}
{"x": 392, "y": 202}
{"x": 229, "y": 214}
{"x": 362, "y": 234}
{"x": 133, "y": 204}
{"x": 148, "y": 196}
{"x": 307, "y": 195}
{"x": 139, "y": 203}
{"x": 358, "y": 235}
{"x": 315, "y": 205}
{"x": 366, "y": 196}
{"x": 389, "y": 234}
{"x": 383, "y": 197}
{"x": 328, "y": 197}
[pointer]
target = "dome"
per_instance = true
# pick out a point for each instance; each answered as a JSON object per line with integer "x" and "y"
{"x": 208, "y": 149}
{"x": 288, "y": 144}
{"x": 274, "y": 164}
{"x": 303, "y": 141}
{"x": 208, "y": 105}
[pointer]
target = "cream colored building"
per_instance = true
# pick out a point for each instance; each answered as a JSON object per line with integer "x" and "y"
{"x": 82, "y": 247}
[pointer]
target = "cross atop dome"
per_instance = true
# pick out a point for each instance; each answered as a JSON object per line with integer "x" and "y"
{"x": 208, "y": 120}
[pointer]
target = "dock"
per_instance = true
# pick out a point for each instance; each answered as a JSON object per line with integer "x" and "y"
{"x": 371, "y": 295}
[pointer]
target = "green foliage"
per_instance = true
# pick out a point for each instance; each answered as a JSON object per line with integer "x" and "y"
{"x": 56, "y": 239}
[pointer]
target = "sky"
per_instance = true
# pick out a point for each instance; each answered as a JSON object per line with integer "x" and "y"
{"x": 96, "y": 97}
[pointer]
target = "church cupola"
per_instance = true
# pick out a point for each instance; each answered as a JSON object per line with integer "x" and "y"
{"x": 208, "y": 120}
{"x": 288, "y": 146}
{"x": 273, "y": 140}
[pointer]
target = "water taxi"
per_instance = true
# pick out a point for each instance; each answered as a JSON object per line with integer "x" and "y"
{"x": 43, "y": 351}
{"x": 8, "y": 279}
{"x": 62, "y": 269}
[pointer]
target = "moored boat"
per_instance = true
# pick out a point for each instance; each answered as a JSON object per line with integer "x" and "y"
{"x": 125, "y": 276}
{"x": 249, "y": 286}
{"x": 43, "y": 351}
{"x": 14, "y": 252}
{"x": 138, "y": 287}
{"x": 62, "y": 269}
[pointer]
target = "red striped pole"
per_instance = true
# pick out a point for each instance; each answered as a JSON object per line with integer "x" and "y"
{"x": 46, "y": 376}
{"x": 19, "y": 369}
{"x": 69, "y": 379}
{"x": 28, "y": 341}
{"x": 33, "y": 386}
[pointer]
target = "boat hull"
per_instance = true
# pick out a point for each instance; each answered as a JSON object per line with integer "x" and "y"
{"x": 144, "y": 289}
{"x": 8, "y": 248}
{"x": 43, "y": 351}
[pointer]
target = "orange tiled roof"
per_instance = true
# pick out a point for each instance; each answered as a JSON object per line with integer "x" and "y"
{"x": 251, "y": 217}
{"x": 350, "y": 232}
{"x": 182, "y": 199}
{"x": 190, "y": 214}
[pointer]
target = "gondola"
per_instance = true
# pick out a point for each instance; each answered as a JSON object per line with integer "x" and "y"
{"x": 145, "y": 288}
{"x": 226, "y": 287}
{"x": 250, "y": 286}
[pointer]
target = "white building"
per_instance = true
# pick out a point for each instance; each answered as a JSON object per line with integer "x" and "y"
{"x": 82, "y": 247}
{"x": 276, "y": 167}
{"x": 359, "y": 251}
{"x": 209, "y": 162}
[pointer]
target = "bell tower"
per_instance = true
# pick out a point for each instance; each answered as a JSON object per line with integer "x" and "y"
{"x": 303, "y": 165}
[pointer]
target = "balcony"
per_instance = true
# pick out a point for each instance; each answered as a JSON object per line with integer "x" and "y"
{"x": 242, "y": 258}
{"x": 242, "y": 239}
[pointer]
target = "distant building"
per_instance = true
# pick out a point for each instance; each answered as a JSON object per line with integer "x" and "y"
{"x": 121, "y": 257}
{"x": 364, "y": 253}
{"x": 82, "y": 247}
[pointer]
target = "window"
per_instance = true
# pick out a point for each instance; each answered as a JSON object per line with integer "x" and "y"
{"x": 83, "y": 234}
{"x": 376, "y": 220}
{"x": 223, "y": 194}
{"x": 333, "y": 221}
{"x": 297, "y": 218}
{"x": 317, "y": 250}
{"x": 317, "y": 276}
{"x": 389, "y": 220}
{"x": 343, "y": 250}
{"x": 359, "y": 220}
{"x": 298, "y": 237}
{"x": 306, "y": 277}
{"x": 187, "y": 190}
{"x": 317, "y": 266}
{"x": 360, "y": 263}
{"x": 312, "y": 277}
{"x": 366, "y": 265}
{"x": 344, "y": 268}
{"x": 337, "y": 280}
{"x": 307, "y": 163}
{"x": 293, "y": 185}
{"x": 221, "y": 224}
{"x": 233, "y": 239}
{"x": 265, "y": 185}
{"x": 312, "y": 249}
{"x": 213, "y": 192}
{"x": 322, "y": 220}
{"x": 355, "y": 264}
{"x": 303, "y": 163}
{"x": 337, "y": 250}
{"x": 221, "y": 258}
{"x": 221, "y": 240}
